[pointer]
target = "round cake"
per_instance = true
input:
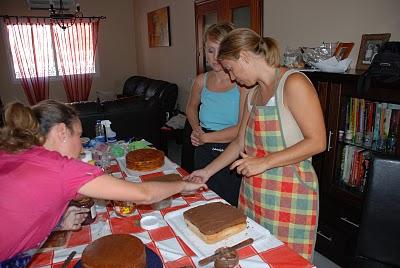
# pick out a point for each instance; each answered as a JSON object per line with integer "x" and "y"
{"x": 116, "y": 250}
{"x": 145, "y": 159}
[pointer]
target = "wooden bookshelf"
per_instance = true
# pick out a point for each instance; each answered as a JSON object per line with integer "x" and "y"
{"x": 341, "y": 198}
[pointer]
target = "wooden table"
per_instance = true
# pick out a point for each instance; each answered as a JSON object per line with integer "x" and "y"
{"x": 163, "y": 240}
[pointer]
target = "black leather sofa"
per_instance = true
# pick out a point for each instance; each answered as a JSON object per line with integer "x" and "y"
{"x": 139, "y": 112}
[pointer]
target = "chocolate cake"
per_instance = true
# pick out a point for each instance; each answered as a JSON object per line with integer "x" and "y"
{"x": 145, "y": 159}
{"x": 116, "y": 250}
{"x": 215, "y": 221}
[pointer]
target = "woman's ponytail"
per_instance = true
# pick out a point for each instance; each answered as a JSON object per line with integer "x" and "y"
{"x": 21, "y": 128}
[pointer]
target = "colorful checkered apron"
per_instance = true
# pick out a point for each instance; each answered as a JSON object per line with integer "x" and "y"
{"x": 285, "y": 199}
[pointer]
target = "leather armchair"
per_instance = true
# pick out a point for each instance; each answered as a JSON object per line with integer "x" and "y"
{"x": 379, "y": 236}
{"x": 163, "y": 92}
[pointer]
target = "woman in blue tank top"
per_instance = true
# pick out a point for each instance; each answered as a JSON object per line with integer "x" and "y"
{"x": 216, "y": 123}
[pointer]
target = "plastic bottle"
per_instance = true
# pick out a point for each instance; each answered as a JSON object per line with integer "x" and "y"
{"x": 110, "y": 134}
{"x": 100, "y": 137}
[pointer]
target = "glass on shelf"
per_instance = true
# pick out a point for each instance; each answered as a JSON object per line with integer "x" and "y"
{"x": 391, "y": 144}
{"x": 368, "y": 139}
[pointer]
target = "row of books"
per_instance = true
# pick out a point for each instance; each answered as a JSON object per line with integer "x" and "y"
{"x": 354, "y": 166}
{"x": 371, "y": 123}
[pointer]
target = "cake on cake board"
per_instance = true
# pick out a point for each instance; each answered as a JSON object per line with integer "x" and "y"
{"x": 118, "y": 250}
{"x": 200, "y": 247}
{"x": 144, "y": 159}
{"x": 215, "y": 221}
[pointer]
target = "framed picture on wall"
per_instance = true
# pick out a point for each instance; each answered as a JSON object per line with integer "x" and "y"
{"x": 158, "y": 28}
{"x": 369, "y": 47}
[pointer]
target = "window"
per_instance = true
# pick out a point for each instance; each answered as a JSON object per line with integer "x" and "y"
{"x": 75, "y": 49}
{"x": 36, "y": 43}
{"x": 27, "y": 53}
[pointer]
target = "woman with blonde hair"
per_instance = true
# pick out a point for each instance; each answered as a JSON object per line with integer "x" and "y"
{"x": 217, "y": 121}
{"x": 282, "y": 127}
{"x": 40, "y": 174}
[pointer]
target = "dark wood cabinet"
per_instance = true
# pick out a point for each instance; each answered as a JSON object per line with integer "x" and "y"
{"x": 243, "y": 13}
{"x": 340, "y": 204}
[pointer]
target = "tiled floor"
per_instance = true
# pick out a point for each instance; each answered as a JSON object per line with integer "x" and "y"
{"x": 174, "y": 153}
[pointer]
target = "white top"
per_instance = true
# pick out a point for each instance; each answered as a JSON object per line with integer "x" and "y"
{"x": 290, "y": 129}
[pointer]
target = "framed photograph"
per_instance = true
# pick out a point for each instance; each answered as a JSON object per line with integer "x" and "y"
{"x": 158, "y": 28}
{"x": 343, "y": 50}
{"x": 370, "y": 45}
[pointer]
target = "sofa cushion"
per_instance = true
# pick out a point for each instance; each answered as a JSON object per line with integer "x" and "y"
{"x": 134, "y": 117}
{"x": 104, "y": 95}
{"x": 136, "y": 86}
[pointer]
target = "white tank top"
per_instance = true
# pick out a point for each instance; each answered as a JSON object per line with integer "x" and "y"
{"x": 290, "y": 129}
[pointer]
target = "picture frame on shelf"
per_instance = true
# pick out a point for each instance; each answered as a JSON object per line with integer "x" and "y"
{"x": 369, "y": 47}
{"x": 158, "y": 28}
{"x": 343, "y": 50}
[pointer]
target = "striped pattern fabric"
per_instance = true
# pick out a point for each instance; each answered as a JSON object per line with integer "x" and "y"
{"x": 285, "y": 199}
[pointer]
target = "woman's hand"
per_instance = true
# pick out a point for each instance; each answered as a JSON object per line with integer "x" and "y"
{"x": 73, "y": 218}
{"x": 192, "y": 187}
{"x": 195, "y": 137}
{"x": 198, "y": 176}
{"x": 249, "y": 166}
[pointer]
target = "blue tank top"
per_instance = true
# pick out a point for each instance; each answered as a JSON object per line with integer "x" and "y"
{"x": 219, "y": 110}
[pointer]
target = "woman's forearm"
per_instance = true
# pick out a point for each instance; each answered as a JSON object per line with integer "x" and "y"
{"x": 230, "y": 154}
{"x": 193, "y": 118}
{"x": 222, "y": 136}
{"x": 110, "y": 188}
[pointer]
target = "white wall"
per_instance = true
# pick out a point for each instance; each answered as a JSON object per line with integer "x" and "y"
{"x": 116, "y": 48}
{"x": 176, "y": 63}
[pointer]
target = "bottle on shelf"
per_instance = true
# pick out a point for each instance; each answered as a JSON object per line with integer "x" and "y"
{"x": 391, "y": 144}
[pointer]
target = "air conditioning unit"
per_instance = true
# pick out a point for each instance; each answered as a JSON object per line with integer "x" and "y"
{"x": 45, "y": 4}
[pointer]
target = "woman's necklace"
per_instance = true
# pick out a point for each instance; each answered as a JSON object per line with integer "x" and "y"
{"x": 263, "y": 100}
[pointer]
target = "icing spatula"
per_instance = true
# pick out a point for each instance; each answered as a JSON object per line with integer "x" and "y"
{"x": 234, "y": 247}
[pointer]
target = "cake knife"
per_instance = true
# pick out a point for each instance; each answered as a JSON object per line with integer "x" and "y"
{"x": 234, "y": 247}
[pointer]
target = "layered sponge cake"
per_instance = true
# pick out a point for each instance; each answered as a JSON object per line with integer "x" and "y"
{"x": 215, "y": 221}
{"x": 145, "y": 159}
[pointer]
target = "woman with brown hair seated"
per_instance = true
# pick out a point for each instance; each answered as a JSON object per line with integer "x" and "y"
{"x": 40, "y": 174}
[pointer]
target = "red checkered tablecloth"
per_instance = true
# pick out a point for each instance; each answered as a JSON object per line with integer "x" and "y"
{"x": 163, "y": 241}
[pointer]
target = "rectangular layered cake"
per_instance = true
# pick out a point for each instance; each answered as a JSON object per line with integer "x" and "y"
{"x": 215, "y": 221}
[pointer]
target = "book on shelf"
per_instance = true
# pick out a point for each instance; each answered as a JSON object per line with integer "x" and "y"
{"x": 354, "y": 166}
{"x": 377, "y": 123}
{"x": 370, "y": 124}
